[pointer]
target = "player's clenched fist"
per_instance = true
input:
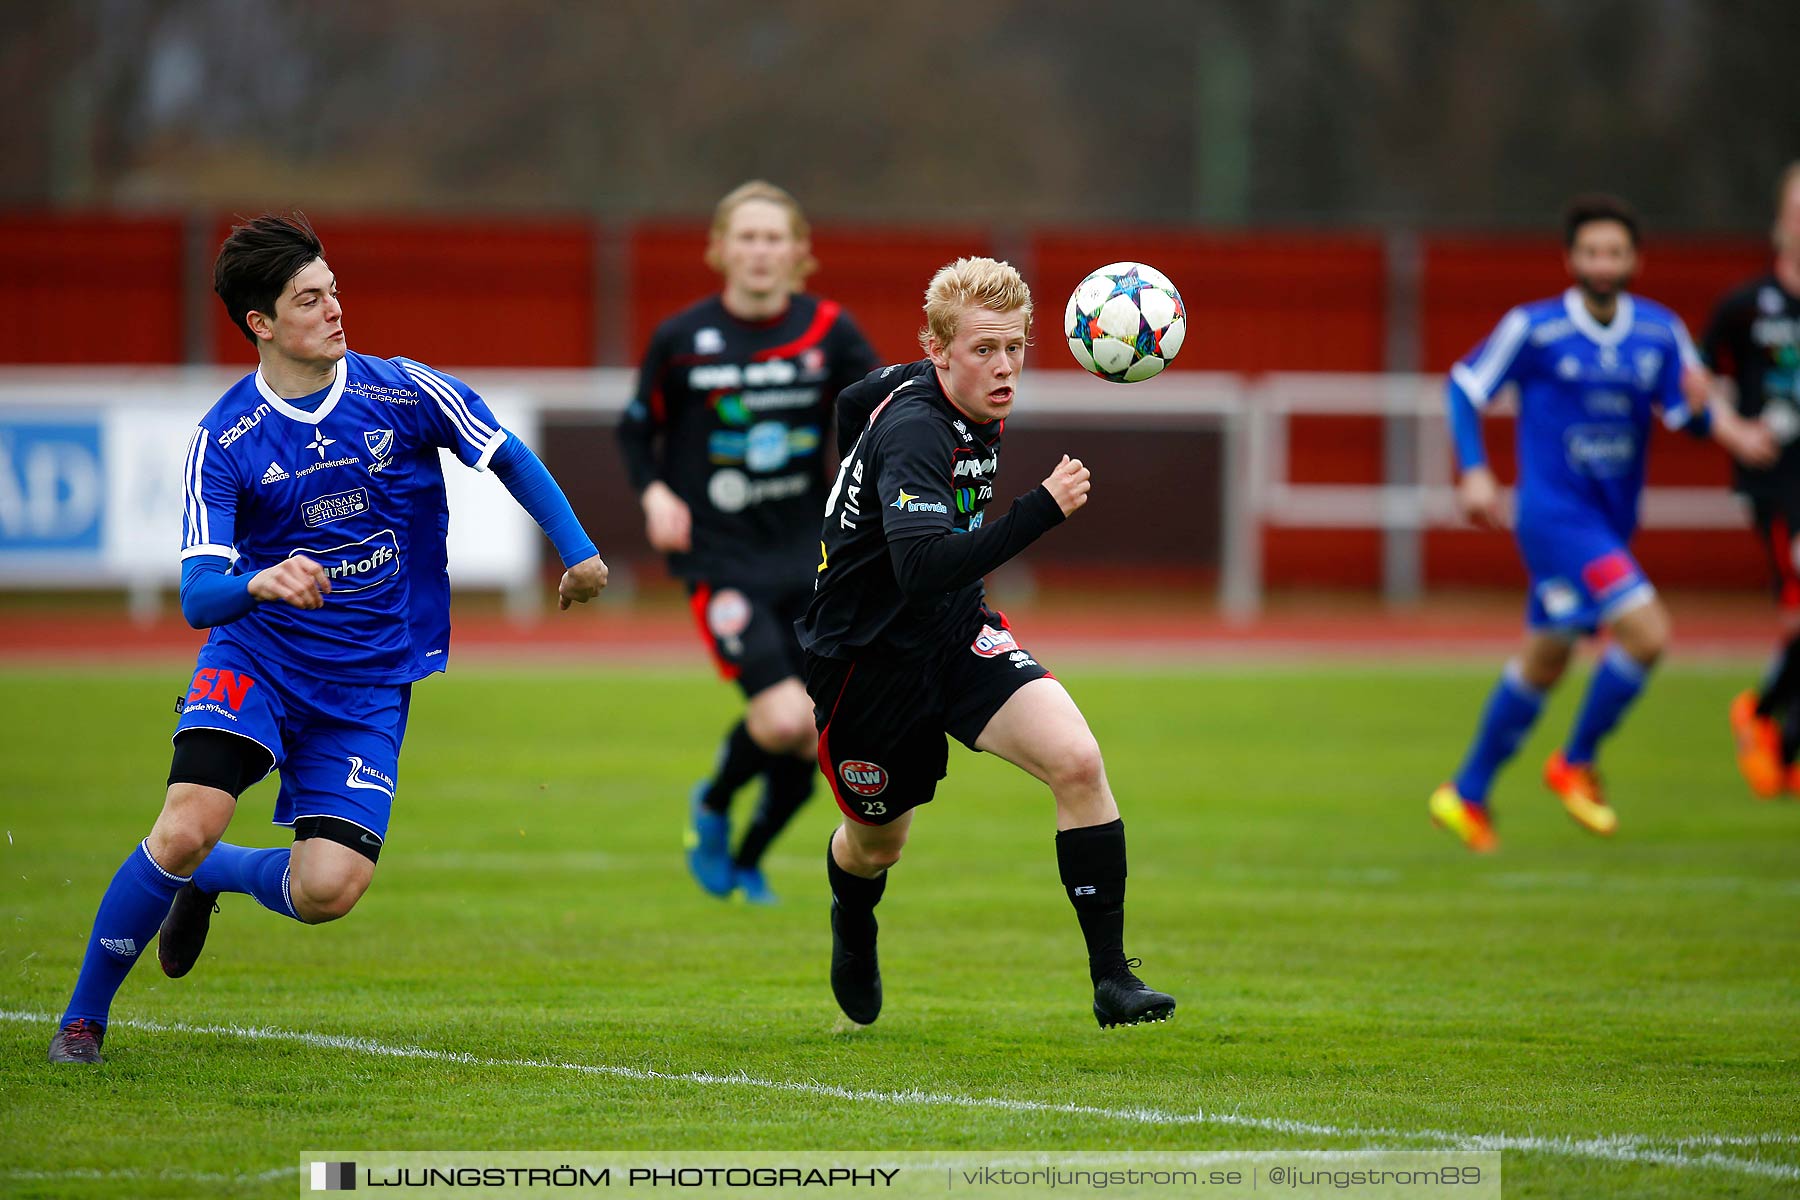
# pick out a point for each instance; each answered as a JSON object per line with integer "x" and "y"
{"x": 298, "y": 581}
{"x": 581, "y": 583}
{"x": 1068, "y": 484}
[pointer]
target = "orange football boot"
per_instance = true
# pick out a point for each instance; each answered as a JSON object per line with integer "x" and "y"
{"x": 1469, "y": 822}
{"x": 1758, "y": 748}
{"x": 1577, "y": 785}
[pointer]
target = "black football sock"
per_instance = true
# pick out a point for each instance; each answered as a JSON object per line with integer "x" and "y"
{"x": 855, "y": 895}
{"x": 1783, "y": 685}
{"x": 740, "y": 761}
{"x": 790, "y": 785}
{"x": 1092, "y": 862}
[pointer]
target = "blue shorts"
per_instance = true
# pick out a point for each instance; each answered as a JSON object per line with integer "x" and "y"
{"x": 1582, "y": 576}
{"x": 337, "y": 745}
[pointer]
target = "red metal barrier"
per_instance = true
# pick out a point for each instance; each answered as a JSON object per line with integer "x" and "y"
{"x": 453, "y": 293}
{"x": 90, "y": 288}
{"x": 879, "y": 275}
{"x": 1703, "y": 560}
{"x": 94, "y": 288}
{"x": 1255, "y": 301}
{"x": 1331, "y": 558}
{"x": 1470, "y": 281}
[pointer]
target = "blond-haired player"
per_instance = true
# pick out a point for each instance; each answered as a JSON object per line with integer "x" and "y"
{"x": 725, "y": 443}
{"x": 901, "y": 648}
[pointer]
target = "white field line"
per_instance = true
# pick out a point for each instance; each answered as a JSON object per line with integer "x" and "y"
{"x": 1623, "y": 1148}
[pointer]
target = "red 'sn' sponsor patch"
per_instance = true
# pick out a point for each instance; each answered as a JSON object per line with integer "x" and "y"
{"x": 1608, "y": 573}
{"x": 217, "y": 683}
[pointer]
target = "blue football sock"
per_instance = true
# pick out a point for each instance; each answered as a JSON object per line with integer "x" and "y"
{"x": 134, "y": 906}
{"x": 1511, "y": 711}
{"x": 1616, "y": 683}
{"x": 259, "y": 873}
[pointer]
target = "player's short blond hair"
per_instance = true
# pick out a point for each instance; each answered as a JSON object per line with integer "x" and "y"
{"x": 761, "y": 189}
{"x": 980, "y": 282}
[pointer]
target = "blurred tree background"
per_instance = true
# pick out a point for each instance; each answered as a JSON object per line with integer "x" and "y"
{"x": 1227, "y": 113}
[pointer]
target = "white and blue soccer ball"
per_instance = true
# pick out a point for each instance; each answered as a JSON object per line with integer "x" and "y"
{"x": 1125, "y": 322}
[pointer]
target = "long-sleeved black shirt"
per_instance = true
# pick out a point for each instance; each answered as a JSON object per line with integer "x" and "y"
{"x": 733, "y": 415}
{"x": 906, "y": 541}
{"x": 1754, "y": 337}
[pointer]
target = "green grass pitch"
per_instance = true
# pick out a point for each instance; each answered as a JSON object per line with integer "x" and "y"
{"x": 1621, "y": 1018}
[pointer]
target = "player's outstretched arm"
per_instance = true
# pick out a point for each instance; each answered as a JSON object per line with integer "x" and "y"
{"x": 537, "y": 493}
{"x": 927, "y": 562}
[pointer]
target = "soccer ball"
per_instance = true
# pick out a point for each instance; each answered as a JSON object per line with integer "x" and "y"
{"x": 1125, "y": 322}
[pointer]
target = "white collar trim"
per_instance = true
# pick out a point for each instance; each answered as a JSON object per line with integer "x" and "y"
{"x": 300, "y": 414}
{"x": 1601, "y": 335}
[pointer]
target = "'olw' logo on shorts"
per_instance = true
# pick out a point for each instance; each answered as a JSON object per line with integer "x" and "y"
{"x": 216, "y": 683}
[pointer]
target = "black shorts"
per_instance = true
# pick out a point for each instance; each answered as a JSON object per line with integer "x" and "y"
{"x": 1777, "y": 525}
{"x": 750, "y": 631}
{"x": 882, "y": 724}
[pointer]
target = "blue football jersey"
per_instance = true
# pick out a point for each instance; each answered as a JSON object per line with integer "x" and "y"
{"x": 1587, "y": 393}
{"x": 354, "y": 484}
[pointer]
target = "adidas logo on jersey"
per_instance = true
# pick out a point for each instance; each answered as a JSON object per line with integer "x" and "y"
{"x": 274, "y": 474}
{"x": 124, "y": 946}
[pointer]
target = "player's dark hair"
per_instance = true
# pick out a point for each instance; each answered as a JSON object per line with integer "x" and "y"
{"x": 1598, "y": 206}
{"x": 258, "y": 259}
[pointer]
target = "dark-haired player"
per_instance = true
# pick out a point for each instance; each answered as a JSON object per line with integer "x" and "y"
{"x": 725, "y": 443}
{"x": 313, "y": 547}
{"x": 1753, "y": 340}
{"x": 1592, "y": 367}
{"x": 901, "y": 648}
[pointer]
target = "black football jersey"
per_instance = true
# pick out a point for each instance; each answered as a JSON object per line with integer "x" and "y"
{"x": 1754, "y": 337}
{"x": 733, "y": 416}
{"x": 919, "y": 472}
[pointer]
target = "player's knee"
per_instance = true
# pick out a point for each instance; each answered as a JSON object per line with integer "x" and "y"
{"x": 1076, "y": 766}
{"x": 868, "y": 856}
{"x": 1646, "y": 652}
{"x": 191, "y": 822}
{"x": 1543, "y": 662}
{"x": 1541, "y": 673}
{"x": 795, "y": 733}
{"x": 878, "y": 858}
{"x": 181, "y": 840}
{"x": 179, "y": 848}
{"x": 326, "y": 896}
{"x": 781, "y": 730}
{"x": 1645, "y": 633}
